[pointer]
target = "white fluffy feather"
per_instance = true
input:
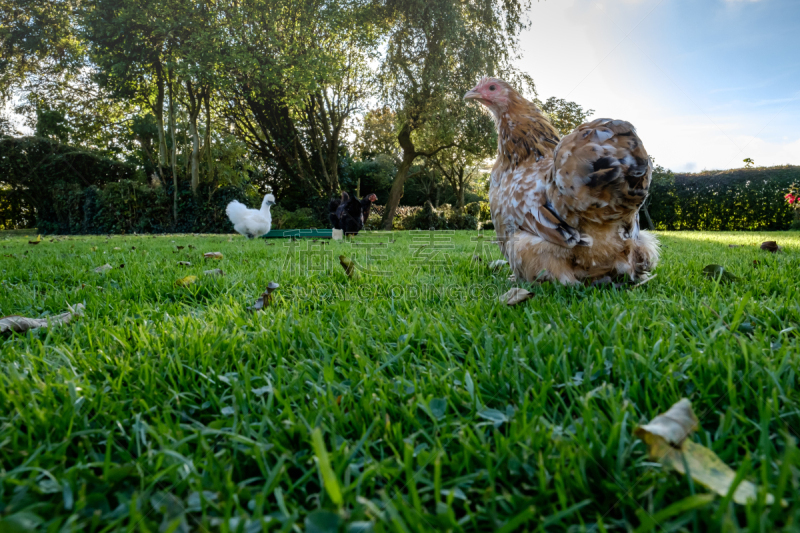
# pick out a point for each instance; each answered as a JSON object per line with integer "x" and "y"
{"x": 251, "y": 222}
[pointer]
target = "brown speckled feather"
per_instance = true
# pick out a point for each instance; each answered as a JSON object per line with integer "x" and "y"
{"x": 568, "y": 210}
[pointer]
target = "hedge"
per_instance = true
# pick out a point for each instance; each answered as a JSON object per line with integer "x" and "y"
{"x": 733, "y": 200}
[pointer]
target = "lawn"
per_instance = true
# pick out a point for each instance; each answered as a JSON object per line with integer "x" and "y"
{"x": 425, "y": 403}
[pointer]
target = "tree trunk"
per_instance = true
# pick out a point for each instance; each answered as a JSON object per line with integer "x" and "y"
{"x": 461, "y": 197}
{"x": 174, "y": 162}
{"x": 207, "y": 141}
{"x": 194, "y": 111}
{"x": 159, "y": 112}
{"x": 409, "y": 155}
{"x": 195, "y": 154}
{"x": 397, "y": 191}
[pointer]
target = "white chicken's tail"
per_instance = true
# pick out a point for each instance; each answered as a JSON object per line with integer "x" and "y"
{"x": 236, "y": 211}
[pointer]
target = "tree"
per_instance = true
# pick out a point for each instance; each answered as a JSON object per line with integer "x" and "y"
{"x": 564, "y": 115}
{"x": 475, "y": 140}
{"x": 436, "y": 51}
{"x": 296, "y": 70}
{"x": 128, "y": 46}
{"x": 377, "y": 134}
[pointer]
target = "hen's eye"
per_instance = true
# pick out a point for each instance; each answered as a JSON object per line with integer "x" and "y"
{"x": 491, "y": 87}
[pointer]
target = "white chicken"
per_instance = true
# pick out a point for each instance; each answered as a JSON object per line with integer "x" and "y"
{"x": 251, "y": 223}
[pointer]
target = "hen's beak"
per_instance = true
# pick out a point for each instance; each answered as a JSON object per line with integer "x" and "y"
{"x": 473, "y": 95}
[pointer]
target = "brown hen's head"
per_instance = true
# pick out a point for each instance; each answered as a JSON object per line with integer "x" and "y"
{"x": 497, "y": 95}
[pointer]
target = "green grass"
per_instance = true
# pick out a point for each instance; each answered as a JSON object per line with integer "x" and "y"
{"x": 422, "y": 402}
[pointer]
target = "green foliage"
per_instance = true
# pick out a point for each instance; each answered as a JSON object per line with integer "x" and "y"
{"x": 480, "y": 210}
{"x": 302, "y": 218}
{"x": 565, "y": 115}
{"x": 414, "y": 401}
{"x": 744, "y": 199}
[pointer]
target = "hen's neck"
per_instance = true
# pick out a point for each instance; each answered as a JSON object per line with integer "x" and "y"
{"x": 524, "y": 133}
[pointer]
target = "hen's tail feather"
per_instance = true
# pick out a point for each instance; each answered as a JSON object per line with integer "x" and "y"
{"x": 236, "y": 211}
{"x": 602, "y": 166}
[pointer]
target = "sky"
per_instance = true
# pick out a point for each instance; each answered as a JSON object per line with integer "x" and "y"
{"x": 706, "y": 83}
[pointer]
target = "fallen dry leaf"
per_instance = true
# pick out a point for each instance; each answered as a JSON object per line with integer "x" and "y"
{"x": 34, "y": 242}
{"x": 21, "y": 324}
{"x": 179, "y": 247}
{"x": 212, "y": 255}
{"x": 214, "y": 272}
{"x": 770, "y": 246}
{"x": 515, "y": 295}
{"x": 349, "y": 266}
{"x": 191, "y": 247}
{"x": 498, "y": 264}
{"x": 646, "y": 280}
{"x": 265, "y": 299}
{"x": 667, "y": 442}
{"x": 184, "y": 263}
{"x": 184, "y": 282}
{"x": 103, "y": 268}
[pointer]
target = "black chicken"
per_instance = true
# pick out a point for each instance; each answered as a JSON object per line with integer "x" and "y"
{"x": 349, "y": 213}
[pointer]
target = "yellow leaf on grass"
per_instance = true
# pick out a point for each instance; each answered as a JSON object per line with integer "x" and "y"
{"x": 184, "y": 282}
{"x": 667, "y": 442}
{"x": 349, "y": 266}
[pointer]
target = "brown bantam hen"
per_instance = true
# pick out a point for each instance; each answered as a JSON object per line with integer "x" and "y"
{"x": 566, "y": 210}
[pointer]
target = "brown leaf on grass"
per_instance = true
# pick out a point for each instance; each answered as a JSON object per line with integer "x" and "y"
{"x": 184, "y": 263}
{"x": 103, "y": 268}
{"x": 179, "y": 247}
{"x": 349, "y": 266}
{"x": 34, "y": 242}
{"x": 214, "y": 272}
{"x": 770, "y": 246}
{"x": 185, "y": 282}
{"x": 265, "y": 299}
{"x": 191, "y": 247}
{"x": 515, "y": 295}
{"x": 212, "y": 255}
{"x": 667, "y": 442}
{"x": 133, "y": 247}
{"x": 21, "y": 324}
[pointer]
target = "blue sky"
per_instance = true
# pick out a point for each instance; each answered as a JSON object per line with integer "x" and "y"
{"x": 706, "y": 82}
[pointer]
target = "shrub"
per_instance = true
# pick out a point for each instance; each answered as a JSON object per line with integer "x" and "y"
{"x": 742, "y": 199}
{"x": 302, "y": 218}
